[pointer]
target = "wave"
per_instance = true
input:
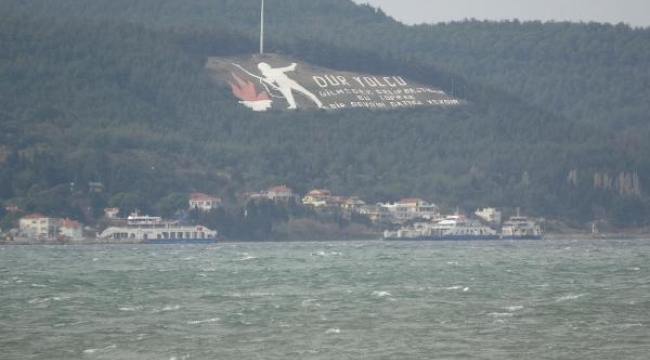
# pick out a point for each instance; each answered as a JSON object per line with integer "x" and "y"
{"x": 166, "y": 309}
{"x": 46, "y": 299}
{"x": 93, "y": 351}
{"x": 381, "y": 294}
{"x": 248, "y": 258}
{"x": 500, "y": 314}
{"x": 128, "y": 309}
{"x": 199, "y": 322}
{"x": 458, "y": 287}
{"x": 71, "y": 324}
{"x": 184, "y": 357}
{"x": 570, "y": 297}
{"x": 310, "y": 303}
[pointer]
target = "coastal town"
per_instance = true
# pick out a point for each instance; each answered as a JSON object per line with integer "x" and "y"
{"x": 410, "y": 218}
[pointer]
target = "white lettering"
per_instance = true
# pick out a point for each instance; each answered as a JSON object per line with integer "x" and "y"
{"x": 358, "y": 79}
{"x": 320, "y": 81}
{"x": 400, "y": 81}
{"x": 368, "y": 104}
{"x": 370, "y": 81}
{"x": 379, "y": 83}
{"x": 337, "y": 105}
{"x": 387, "y": 80}
{"x": 343, "y": 80}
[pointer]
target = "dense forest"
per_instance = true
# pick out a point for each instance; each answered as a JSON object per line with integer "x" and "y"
{"x": 117, "y": 92}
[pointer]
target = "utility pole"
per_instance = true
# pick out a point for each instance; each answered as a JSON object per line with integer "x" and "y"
{"x": 262, "y": 29}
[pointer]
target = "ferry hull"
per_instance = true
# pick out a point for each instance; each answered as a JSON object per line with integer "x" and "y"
{"x": 178, "y": 241}
{"x": 445, "y": 238}
{"x": 522, "y": 237}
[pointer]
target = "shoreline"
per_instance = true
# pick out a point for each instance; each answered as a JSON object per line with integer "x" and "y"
{"x": 94, "y": 241}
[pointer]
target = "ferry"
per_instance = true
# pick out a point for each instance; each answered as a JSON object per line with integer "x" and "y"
{"x": 452, "y": 227}
{"x": 521, "y": 228}
{"x": 154, "y": 230}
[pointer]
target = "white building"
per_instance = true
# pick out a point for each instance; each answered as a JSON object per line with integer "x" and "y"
{"x": 490, "y": 215}
{"x": 376, "y": 213}
{"x": 351, "y": 203}
{"x": 39, "y": 226}
{"x": 70, "y": 229}
{"x": 279, "y": 193}
{"x": 317, "y": 198}
{"x": 204, "y": 202}
{"x": 111, "y": 213}
{"x": 410, "y": 209}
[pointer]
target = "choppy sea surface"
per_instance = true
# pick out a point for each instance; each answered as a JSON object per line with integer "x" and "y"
{"x": 352, "y": 300}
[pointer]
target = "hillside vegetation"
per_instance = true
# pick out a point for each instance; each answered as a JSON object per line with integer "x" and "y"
{"x": 117, "y": 92}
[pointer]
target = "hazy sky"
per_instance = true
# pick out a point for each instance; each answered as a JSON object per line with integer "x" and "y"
{"x": 632, "y": 12}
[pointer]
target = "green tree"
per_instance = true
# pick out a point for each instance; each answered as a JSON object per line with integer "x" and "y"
{"x": 127, "y": 203}
{"x": 169, "y": 205}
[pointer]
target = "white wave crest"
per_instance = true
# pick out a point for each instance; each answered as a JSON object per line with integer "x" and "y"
{"x": 198, "y": 322}
{"x": 310, "y": 303}
{"x": 107, "y": 348}
{"x": 46, "y": 299}
{"x": 381, "y": 294}
{"x": 570, "y": 297}
{"x": 166, "y": 308}
{"x": 456, "y": 287}
{"x": 248, "y": 258}
{"x": 128, "y": 309}
{"x": 500, "y": 315}
{"x": 333, "y": 331}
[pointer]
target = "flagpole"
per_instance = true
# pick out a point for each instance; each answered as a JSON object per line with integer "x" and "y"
{"x": 262, "y": 29}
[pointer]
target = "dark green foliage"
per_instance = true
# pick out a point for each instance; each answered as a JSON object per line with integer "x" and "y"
{"x": 128, "y": 203}
{"x": 116, "y": 92}
{"x": 169, "y": 205}
{"x": 253, "y": 221}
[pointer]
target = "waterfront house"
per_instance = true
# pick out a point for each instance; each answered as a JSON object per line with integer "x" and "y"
{"x": 279, "y": 193}
{"x": 70, "y": 229}
{"x": 410, "y": 209}
{"x": 204, "y": 202}
{"x": 317, "y": 198}
{"x": 111, "y": 213}
{"x": 39, "y": 226}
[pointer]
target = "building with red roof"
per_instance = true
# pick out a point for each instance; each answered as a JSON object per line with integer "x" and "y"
{"x": 281, "y": 193}
{"x": 70, "y": 229}
{"x": 204, "y": 202}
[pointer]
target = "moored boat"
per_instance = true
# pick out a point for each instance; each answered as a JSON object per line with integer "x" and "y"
{"x": 155, "y": 230}
{"x": 453, "y": 227}
{"x": 521, "y": 228}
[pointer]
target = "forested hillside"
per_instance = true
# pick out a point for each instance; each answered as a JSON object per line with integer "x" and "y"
{"x": 117, "y": 92}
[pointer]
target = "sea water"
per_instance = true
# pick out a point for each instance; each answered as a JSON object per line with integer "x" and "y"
{"x": 339, "y": 300}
